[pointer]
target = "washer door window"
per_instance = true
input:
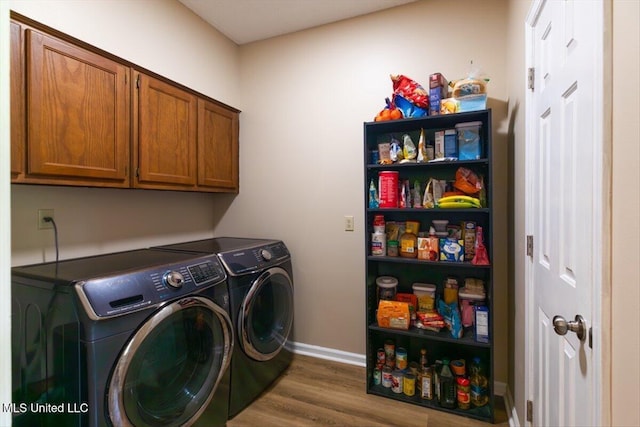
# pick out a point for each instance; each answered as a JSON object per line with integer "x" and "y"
{"x": 169, "y": 370}
{"x": 266, "y": 315}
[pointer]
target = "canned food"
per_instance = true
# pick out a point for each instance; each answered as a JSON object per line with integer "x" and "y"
{"x": 396, "y": 381}
{"x": 390, "y": 362}
{"x": 389, "y": 349}
{"x": 377, "y": 376}
{"x": 401, "y": 358}
{"x": 409, "y": 384}
{"x": 380, "y": 356}
{"x": 387, "y": 377}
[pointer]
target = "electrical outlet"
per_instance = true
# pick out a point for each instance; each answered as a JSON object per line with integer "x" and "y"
{"x": 43, "y": 213}
{"x": 348, "y": 223}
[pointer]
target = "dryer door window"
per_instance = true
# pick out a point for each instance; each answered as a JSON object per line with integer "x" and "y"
{"x": 266, "y": 315}
{"x": 171, "y": 367}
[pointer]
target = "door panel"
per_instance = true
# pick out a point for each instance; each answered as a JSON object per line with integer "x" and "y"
{"x": 217, "y": 147}
{"x": 564, "y": 207}
{"x": 166, "y": 135}
{"x": 78, "y": 112}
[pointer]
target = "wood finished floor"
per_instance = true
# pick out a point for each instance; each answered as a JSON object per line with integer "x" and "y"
{"x": 315, "y": 392}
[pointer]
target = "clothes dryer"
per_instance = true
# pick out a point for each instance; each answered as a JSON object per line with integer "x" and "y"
{"x": 261, "y": 293}
{"x": 136, "y": 338}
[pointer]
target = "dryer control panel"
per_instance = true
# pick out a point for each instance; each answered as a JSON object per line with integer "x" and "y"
{"x": 250, "y": 260}
{"x": 116, "y": 295}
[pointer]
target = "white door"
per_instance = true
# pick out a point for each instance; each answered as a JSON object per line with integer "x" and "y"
{"x": 564, "y": 209}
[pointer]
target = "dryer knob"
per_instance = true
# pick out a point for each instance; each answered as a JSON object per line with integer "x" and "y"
{"x": 173, "y": 279}
{"x": 266, "y": 255}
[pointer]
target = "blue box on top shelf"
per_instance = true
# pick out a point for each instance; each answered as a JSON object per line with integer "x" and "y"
{"x": 469, "y": 140}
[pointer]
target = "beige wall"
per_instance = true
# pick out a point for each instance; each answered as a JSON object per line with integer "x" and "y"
{"x": 516, "y": 88}
{"x": 92, "y": 221}
{"x": 625, "y": 272}
{"x": 307, "y": 96}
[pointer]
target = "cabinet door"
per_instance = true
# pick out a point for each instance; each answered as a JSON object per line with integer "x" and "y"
{"x": 164, "y": 135}
{"x": 78, "y": 114}
{"x": 17, "y": 102}
{"x": 217, "y": 147}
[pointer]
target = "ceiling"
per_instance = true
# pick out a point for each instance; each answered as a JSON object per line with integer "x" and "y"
{"x": 246, "y": 21}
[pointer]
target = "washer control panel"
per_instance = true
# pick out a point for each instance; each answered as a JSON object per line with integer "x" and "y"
{"x": 254, "y": 259}
{"x": 116, "y": 295}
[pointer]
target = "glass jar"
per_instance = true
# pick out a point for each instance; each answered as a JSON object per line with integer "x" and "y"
{"x": 392, "y": 248}
{"x": 463, "y": 392}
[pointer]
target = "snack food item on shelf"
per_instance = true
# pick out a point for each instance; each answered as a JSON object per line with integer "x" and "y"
{"x": 468, "y": 86}
{"x": 467, "y": 181}
{"x": 393, "y": 314}
{"x": 451, "y": 250}
{"x": 410, "y": 90}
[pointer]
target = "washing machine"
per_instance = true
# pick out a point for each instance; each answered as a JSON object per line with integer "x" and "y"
{"x": 135, "y": 338}
{"x": 261, "y": 293}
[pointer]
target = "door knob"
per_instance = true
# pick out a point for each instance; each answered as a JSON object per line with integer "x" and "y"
{"x": 579, "y": 326}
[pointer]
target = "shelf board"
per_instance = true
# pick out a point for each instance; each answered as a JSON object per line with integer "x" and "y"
{"x": 445, "y": 163}
{"x": 443, "y": 335}
{"x": 429, "y": 210}
{"x": 483, "y": 413}
{"x": 441, "y": 121}
{"x": 402, "y": 260}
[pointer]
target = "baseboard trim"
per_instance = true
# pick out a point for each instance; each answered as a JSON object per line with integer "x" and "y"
{"x": 511, "y": 409}
{"x": 327, "y": 353}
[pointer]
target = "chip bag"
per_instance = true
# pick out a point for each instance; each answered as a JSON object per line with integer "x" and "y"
{"x": 410, "y": 90}
{"x": 468, "y": 182}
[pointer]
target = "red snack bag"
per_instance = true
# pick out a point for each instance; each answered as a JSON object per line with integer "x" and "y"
{"x": 410, "y": 90}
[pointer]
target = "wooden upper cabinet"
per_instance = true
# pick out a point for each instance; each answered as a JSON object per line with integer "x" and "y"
{"x": 165, "y": 126}
{"x": 17, "y": 102}
{"x": 78, "y": 114}
{"x": 217, "y": 147}
{"x": 82, "y": 116}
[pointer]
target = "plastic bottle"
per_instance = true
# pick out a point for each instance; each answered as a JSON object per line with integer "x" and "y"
{"x": 409, "y": 240}
{"x": 447, "y": 386}
{"x": 479, "y": 394}
{"x": 373, "y": 196}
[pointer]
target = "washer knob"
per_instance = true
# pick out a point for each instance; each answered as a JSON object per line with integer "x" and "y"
{"x": 266, "y": 255}
{"x": 173, "y": 279}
